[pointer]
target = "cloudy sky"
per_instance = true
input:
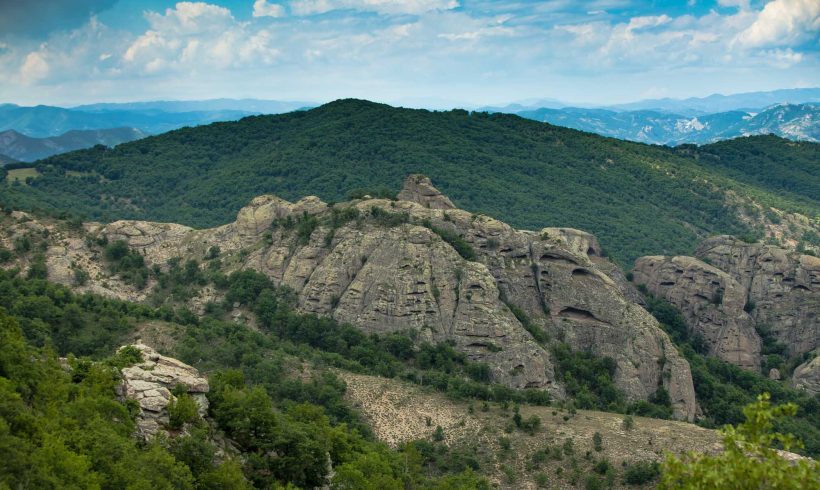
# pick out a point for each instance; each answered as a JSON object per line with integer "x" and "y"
{"x": 403, "y": 51}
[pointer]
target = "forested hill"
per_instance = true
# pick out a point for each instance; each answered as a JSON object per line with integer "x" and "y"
{"x": 638, "y": 199}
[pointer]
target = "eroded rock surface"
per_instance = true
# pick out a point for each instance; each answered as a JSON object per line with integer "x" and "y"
{"x": 782, "y": 287}
{"x": 419, "y": 188}
{"x": 710, "y": 300}
{"x": 387, "y": 270}
{"x": 807, "y": 375}
{"x": 150, "y": 383}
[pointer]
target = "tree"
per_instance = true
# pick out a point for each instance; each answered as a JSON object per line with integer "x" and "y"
{"x": 749, "y": 460}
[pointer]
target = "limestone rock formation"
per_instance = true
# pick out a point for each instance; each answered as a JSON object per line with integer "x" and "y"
{"x": 419, "y": 188}
{"x": 150, "y": 383}
{"x": 782, "y": 287}
{"x": 384, "y": 274}
{"x": 710, "y": 300}
{"x": 807, "y": 375}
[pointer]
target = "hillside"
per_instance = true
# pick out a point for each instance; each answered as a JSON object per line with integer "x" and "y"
{"x": 5, "y": 160}
{"x": 799, "y": 122}
{"x": 27, "y": 149}
{"x": 637, "y": 199}
{"x": 472, "y": 349}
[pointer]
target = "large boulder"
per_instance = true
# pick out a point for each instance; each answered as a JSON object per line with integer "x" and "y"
{"x": 711, "y": 301}
{"x": 151, "y": 382}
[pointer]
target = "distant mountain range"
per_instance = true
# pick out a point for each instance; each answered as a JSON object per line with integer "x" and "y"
{"x": 715, "y": 103}
{"x": 149, "y": 117}
{"x": 693, "y": 106}
{"x": 793, "y": 121}
{"x": 256, "y": 106}
{"x": 791, "y": 113}
{"x": 16, "y": 146}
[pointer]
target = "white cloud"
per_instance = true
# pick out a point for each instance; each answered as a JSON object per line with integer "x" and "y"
{"x": 34, "y": 67}
{"x": 197, "y": 35}
{"x": 261, "y": 8}
{"x": 636, "y": 23}
{"x": 312, "y": 7}
{"x": 782, "y": 23}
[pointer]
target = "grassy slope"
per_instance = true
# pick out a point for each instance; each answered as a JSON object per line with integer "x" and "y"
{"x": 638, "y": 199}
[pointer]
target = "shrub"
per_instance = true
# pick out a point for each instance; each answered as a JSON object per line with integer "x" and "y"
{"x": 182, "y": 410}
{"x": 597, "y": 442}
{"x": 438, "y": 434}
{"x": 750, "y": 458}
{"x": 642, "y": 472}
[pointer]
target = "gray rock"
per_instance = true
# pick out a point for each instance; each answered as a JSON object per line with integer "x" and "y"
{"x": 710, "y": 300}
{"x": 783, "y": 286}
{"x": 807, "y": 375}
{"x": 150, "y": 382}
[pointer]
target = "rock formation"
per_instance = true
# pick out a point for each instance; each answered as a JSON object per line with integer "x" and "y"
{"x": 392, "y": 265}
{"x": 735, "y": 288}
{"x": 782, "y": 287}
{"x": 419, "y": 188}
{"x": 807, "y": 375}
{"x": 710, "y": 300}
{"x": 150, "y": 384}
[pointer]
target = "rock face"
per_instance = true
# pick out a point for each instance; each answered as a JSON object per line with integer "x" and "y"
{"x": 807, "y": 375}
{"x": 387, "y": 267}
{"x": 757, "y": 286}
{"x": 782, "y": 286}
{"x": 710, "y": 300}
{"x": 150, "y": 383}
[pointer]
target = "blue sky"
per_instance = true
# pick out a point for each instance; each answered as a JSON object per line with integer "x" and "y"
{"x": 412, "y": 52}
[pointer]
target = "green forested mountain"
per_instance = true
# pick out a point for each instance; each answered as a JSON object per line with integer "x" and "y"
{"x": 638, "y": 199}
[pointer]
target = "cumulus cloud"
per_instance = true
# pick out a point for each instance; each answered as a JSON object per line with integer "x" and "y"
{"x": 261, "y": 8}
{"x": 783, "y": 23}
{"x": 195, "y": 35}
{"x": 34, "y": 68}
{"x": 313, "y": 7}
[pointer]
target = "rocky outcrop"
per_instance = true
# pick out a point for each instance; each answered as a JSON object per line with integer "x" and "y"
{"x": 782, "y": 288}
{"x": 807, "y": 375}
{"x": 735, "y": 289}
{"x": 710, "y": 300}
{"x": 150, "y": 384}
{"x": 419, "y": 188}
{"x": 391, "y": 265}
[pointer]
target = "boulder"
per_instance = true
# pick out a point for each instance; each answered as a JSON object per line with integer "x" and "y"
{"x": 150, "y": 383}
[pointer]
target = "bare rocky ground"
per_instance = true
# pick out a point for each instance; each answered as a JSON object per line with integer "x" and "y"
{"x": 399, "y": 412}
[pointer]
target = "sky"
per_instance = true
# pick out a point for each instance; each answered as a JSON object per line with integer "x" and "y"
{"x": 410, "y": 52}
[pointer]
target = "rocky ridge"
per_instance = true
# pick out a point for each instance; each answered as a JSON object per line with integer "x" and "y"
{"x": 385, "y": 266}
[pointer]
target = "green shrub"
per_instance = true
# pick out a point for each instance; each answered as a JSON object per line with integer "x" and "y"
{"x": 642, "y": 472}
{"x": 182, "y": 409}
